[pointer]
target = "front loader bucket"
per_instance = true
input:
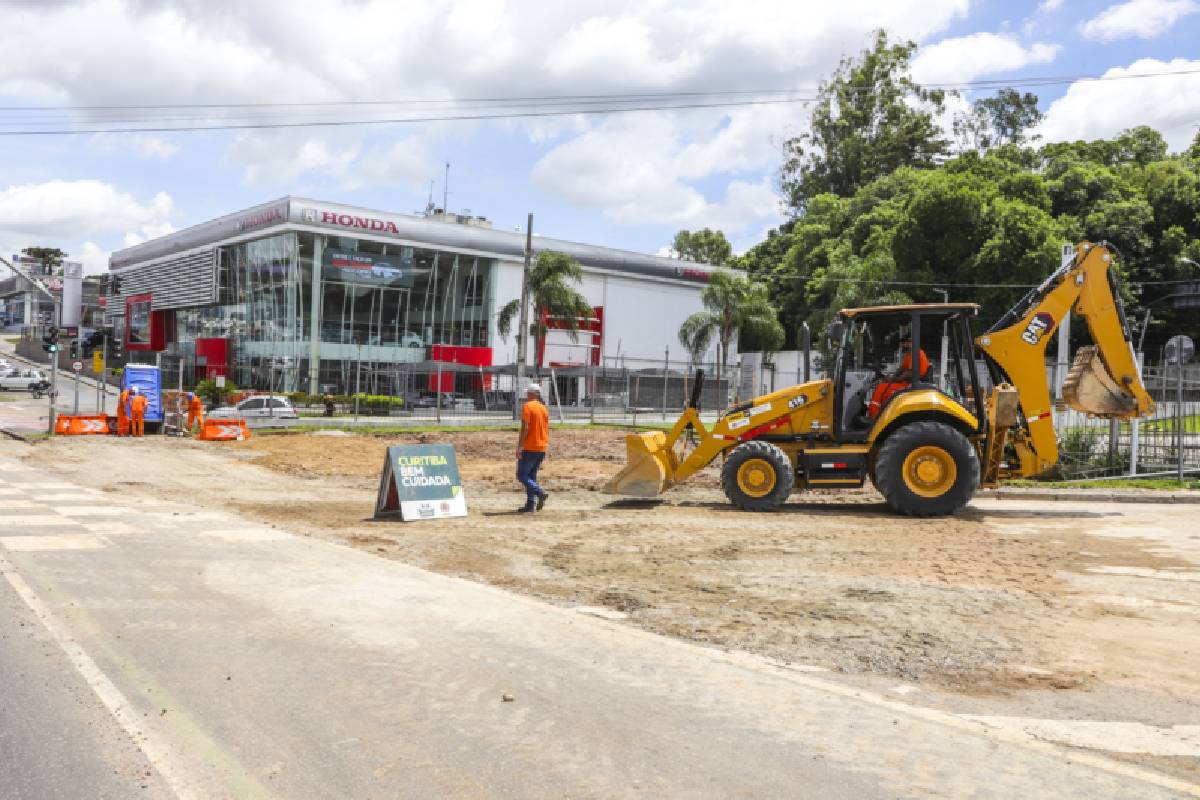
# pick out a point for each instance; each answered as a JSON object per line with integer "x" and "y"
{"x": 648, "y": 468}
{"x": 1090, "y": 388}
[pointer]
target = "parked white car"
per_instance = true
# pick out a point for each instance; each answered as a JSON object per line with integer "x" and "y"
{"x": 23, "y": 379}
{"x": 258, "y": 407}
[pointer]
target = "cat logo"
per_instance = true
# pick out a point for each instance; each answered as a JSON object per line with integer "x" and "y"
{"x": 1041, "y": 324}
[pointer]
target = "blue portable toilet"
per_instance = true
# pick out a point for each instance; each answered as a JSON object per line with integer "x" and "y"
{"x": 148, "y": 380}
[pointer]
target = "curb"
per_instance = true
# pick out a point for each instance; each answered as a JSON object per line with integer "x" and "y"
{"x": 1085, "y": 496}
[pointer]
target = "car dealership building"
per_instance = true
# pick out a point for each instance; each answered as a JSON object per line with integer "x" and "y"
{"x": 263, "y": 294}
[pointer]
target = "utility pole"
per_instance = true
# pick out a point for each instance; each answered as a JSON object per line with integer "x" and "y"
{"x": 523, "y": 317}
{"x": 943, "y": 363}
{"x": 446, "y": 191}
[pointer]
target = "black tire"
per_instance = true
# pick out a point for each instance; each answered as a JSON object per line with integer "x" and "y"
{"x": 756, "y": 459}
{"x": 930, "y": 441}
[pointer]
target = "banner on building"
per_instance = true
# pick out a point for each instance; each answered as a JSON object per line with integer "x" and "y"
{"x": 421, "y": 481}
{"x": 349, "y": 266}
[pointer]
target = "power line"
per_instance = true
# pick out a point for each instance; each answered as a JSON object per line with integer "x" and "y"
{"x": 617, "y": 97}
{"x": 390, "y": 121}
{"x": 529, "y": 107}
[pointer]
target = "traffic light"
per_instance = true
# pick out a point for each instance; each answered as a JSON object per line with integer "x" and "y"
{"x": 117, "y": 344}
{"x": 50, "y": 340}
{"x": 74, "y": 349}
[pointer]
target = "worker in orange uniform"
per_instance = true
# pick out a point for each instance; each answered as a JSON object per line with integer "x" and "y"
{"x": 123, "y": 413}
{"x": 195, "y": 411}
{"x": 901, "y": 379}
{"x": 137, "y": 411}
{"x": 532, "y": 444}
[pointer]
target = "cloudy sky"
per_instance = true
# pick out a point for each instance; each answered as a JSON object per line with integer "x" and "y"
{"x": 627, "y": 180}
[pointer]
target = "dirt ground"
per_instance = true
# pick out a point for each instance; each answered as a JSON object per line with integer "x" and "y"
{"x": 979, "y": 604}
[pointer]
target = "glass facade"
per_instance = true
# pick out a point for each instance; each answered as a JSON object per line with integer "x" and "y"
{"x": 379, "y": 304}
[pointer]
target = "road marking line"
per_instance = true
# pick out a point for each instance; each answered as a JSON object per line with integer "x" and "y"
{"x": 17, "y": 504}
{"x": 87, "y": 511}
{"x": 40, "y": 520}
{"x": 1120, "y": 737}
{"x": 157, "y": 753}
{"x": 109, "y": 527}
{"x": 247, "y": 534}
{"x": 66, "y": 541}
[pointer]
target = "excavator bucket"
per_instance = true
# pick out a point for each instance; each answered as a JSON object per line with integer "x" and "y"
{"x": 1089, "y": 387}
{"x": 648, "y": 469}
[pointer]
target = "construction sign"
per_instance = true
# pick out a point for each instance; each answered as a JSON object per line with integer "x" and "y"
{"x": 421, "y": 481}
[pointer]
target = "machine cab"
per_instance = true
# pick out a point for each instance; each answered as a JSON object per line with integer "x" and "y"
{"x": 886, "y": 352}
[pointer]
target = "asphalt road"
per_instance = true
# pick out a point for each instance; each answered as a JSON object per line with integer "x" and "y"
{"x": 56, "y": 739}
{"x": 246, "y": 662}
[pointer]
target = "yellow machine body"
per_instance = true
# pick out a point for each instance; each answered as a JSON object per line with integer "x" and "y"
{"x": 1014, "y": 437}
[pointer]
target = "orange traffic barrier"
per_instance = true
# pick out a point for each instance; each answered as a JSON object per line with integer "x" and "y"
{"x": 223, "y": 430}
{"x": 81, "y": 425}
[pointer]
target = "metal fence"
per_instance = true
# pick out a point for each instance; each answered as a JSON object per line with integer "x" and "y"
{"x": 1159, "y": 444}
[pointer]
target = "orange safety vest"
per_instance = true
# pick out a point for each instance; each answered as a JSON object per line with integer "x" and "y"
{"x": 884, "y": 391}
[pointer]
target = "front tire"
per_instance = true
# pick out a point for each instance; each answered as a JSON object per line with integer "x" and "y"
{"x": 926, "y": 469}
{"x": 757, "y": 476}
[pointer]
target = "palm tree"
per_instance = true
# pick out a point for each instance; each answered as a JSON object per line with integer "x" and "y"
{"x": 732, "y": 303}
{"x": 550, "y": 287}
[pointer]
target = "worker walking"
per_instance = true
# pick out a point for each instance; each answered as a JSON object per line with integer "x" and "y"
{"x": 532, "y": 444}
{"x": 195, "y": 411}
{"x": 137, "y": 411}
{"x": 123, "y": 413}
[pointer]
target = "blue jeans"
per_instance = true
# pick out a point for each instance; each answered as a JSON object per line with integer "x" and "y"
{"x": 527, "y": 467}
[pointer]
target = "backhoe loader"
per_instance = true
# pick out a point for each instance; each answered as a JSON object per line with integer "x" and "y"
{"x": 926, "y": 435}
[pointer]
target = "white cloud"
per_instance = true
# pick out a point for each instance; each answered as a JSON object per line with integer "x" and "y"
{"x": 78, "y": 208}
{"x": 1097, "y": 109}
{"x": 93, "y": 256}
{"x": 706, "y": 166}
{"x": 1046, "y": 6}
{"x": 74, "y": 214}
{"x": 965, "y": 58}
{"x": 636, "y": 170}
{"x": 1142, "y": 19}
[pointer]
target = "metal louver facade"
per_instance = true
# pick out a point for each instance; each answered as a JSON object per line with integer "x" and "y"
{"x": 184, "y": 281}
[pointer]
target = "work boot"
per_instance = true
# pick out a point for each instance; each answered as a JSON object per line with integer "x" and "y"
{"x": 526, "y": 509}
{"x": 541, "y": 503}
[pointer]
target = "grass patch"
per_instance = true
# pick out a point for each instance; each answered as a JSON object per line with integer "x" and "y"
{"x": 1120, "y": 483}
{"x": 383, "y": 430}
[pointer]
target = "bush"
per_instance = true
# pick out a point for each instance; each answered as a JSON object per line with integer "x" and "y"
{"x": 212, "y": 394}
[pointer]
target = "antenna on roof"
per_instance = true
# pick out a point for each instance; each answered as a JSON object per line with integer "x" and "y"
{"x": 446, "y": 190}
{"x": 429, "y": 204}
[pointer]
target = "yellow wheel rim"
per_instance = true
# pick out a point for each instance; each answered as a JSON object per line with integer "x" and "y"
{"x": 930, "y": 471}
{"x": 756, "y": 477}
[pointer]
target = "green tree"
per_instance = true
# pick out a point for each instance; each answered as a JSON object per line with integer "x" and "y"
{"x": 869, "y": 119}
{"x": 733, "y": 303}
{"x": 50, "y": 258}
{"x": 996, "y": 121}
{"x": 705, "y": 246}
{"x": 553, "y": 279}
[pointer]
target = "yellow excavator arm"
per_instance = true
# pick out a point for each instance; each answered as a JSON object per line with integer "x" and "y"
{"x": 1104, "y": 380}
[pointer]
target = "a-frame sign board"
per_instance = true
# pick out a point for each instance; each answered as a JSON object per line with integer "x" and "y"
{"x": 420, "y": 481}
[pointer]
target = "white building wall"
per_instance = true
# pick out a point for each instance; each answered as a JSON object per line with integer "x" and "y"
{"x": 642, "y": 317}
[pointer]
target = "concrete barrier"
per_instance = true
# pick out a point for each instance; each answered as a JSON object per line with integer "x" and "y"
{"x": 223, "y": 430}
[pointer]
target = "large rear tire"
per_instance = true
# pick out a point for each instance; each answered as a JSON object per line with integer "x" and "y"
{"x": 926, "y": 469}
{"x": 757, "y": 476}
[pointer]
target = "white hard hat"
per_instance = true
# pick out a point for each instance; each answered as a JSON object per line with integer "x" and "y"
{"x": 534, "y": 387}
{"x": 134, "y": 389}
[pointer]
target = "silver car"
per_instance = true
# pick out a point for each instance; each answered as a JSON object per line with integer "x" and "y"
{"x": 258, "y": 407}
